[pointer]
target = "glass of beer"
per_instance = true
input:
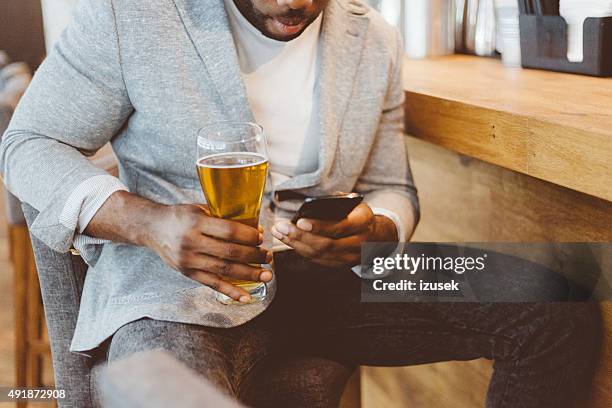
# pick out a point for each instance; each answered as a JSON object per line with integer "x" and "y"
{"x": 232, "y": 165}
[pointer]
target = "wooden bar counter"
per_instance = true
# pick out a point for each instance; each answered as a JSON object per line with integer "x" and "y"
{"x": 506, "y": 155}
{"x": 556, "y": 127}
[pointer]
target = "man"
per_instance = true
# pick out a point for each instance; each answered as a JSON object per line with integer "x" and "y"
{"x": 324, "y": 79}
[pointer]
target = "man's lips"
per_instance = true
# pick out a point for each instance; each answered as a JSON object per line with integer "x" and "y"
{"x": 288, "y": 26}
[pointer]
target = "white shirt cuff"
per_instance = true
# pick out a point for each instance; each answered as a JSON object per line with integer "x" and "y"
{"x": 86, "y": 199}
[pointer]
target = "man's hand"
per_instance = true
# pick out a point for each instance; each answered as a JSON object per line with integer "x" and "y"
{"x": 188, "y": 239}
{"x": 208, "y": 249}
{"x": 336, "y": 243}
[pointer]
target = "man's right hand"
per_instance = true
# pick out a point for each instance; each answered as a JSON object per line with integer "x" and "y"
{"x": 188, "y": 239}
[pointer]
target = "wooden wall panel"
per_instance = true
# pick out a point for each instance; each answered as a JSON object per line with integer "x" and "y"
{"x": 465, "y": 199}
{"x": 468, "y": 200}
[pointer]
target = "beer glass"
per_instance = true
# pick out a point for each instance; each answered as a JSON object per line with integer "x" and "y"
{"x": 232, "y": 165}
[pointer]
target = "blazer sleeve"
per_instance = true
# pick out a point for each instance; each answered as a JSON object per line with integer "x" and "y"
{"x": 75, "y": 104}
{"x": 387, "y": 179}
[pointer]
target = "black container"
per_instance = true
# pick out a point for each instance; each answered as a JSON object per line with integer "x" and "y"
{"x": 544, "y": 45}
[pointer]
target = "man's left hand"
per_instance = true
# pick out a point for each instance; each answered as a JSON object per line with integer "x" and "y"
{"x": 336, "y": 243}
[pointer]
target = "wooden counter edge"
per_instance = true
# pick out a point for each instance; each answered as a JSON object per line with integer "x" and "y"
{"x": 569, "y": 157}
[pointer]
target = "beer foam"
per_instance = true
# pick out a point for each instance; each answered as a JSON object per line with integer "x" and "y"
{"x": 260, "y": 159}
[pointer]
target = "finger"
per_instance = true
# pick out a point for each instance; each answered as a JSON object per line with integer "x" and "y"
{"x": 216, "y": 283}
{"x": 232, "y": 252}
{"x": 232, "y": 231}
{"x": 359, "y": 220}
{"x": 204, "y": 207}
{"x": 347, "y": 254}
{"x": 228, "y": 269}
{"x": 318, "y": 243}
{"x": 345, "y": 250}
{"x": 300, "y": 247}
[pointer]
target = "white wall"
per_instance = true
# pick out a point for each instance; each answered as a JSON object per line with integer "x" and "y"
{"x": 56, "y": 16}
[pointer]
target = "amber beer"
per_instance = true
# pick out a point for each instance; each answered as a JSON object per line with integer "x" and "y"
{"x": 233, "y": 184}
{"x": 232, "y": 165}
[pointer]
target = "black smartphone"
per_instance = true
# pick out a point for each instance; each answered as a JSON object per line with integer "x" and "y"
{"x": 329, "y": 208}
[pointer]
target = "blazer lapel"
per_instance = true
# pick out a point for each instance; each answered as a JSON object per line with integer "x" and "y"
{"x": 342, "y": 41}
{"x": 208, "y": 28}
{"x": 342, "y": 36}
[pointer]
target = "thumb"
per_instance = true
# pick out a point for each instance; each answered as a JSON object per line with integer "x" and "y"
{"x": 357, "y": 221}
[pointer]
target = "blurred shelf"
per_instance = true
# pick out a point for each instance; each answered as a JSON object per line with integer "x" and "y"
{"x": 556, "y": 127}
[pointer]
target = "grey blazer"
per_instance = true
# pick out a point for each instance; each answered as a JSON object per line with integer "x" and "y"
{"x": 145, "y": 75}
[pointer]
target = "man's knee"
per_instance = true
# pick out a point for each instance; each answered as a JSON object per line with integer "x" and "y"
{"x": 298, "y": 382}
{"x": 196, "y": 347}
{"x": 562, "y": 332}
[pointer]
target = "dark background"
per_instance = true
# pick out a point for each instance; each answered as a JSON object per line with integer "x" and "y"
{"x": 21, "y": 31}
